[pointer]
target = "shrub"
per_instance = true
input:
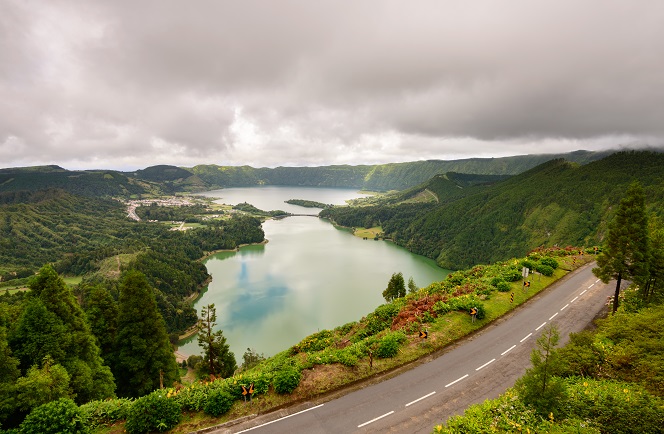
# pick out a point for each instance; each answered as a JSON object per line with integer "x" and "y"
{"x": 495, "y": 281}
{"x": 511, "y": 274}
{"x": 545, "y": 270}
{"x": 389, "y": 344}
{"x": 441, "y": 308}
{"x": 286, "y": 380}
{"x": 550, "y": 262}
{"x": 219, "y": 401}
{"x": 316, "y": 341}
{"x": 153, "y": 412}
{"x": 616, "y": 407}
{"x": 381, "y": 318}
{"x": 61, "y": 416}
{"x": 100, "y": 413}
{"x": 503, "y": 286}
{"x": 527, "y": 263}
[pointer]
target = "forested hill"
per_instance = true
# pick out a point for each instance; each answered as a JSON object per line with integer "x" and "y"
{"x": 164, "y": 179}
{"x": 382, "y": 177}
{"x": 556, "y": 203}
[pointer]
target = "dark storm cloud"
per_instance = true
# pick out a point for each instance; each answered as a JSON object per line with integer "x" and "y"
{"x": 130, "y": 84}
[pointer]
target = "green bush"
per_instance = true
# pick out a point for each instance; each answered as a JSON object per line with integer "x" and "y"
{"x": 545, "y": 270}
{"x": 503, "y": 286}
{"x": 101, "y": 413}
{"x": 316, "y": 341}
{"x": 153, "y": 412}
{"x": 441, "y": 308}
{"x": 550, "y": 262}
{"x": 616, "y": 407}
{"x": 286, "y": 380}
{"x": 389, "y": 344}
{"x": 61, "y": 416}
{"x": 495, "y": 281}
{"x": 192, "y": 398}
{"x": 527, "y": 263}
{"x": 511, "y": 274}
{"x": 381, "y": 318}
{"x": 219, "y": 401}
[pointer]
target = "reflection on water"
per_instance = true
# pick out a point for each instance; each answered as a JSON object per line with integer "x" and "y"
{"x": 309, "y": 277}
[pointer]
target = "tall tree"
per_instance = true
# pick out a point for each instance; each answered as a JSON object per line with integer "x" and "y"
{"x": 102, "y": 314}
{"x": 218, "y": 360}
{"x": 539, "y": 387}
{"x": 625, "y": 255}
{"x": 143, "y": 353}
{"x": 9, "y": 372}
{"x": 653, "y": 288}
{"x": 396, "y": 287}
{"x": 412, "y": 287}
{"x": 53, "y": 324}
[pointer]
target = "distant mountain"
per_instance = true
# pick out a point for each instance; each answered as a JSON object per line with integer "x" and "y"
{"x": 166, "y": 179}
{"x": 382, "y": 177}
{"x": 557, "y": 202}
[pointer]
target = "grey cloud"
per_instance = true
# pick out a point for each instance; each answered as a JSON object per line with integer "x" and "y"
{"x": 292, "y": 82}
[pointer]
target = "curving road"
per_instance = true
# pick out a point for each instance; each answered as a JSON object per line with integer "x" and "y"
{"x": 477, "y": 368}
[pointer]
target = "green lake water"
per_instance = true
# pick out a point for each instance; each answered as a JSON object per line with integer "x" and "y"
{"x": 309, "y": 276}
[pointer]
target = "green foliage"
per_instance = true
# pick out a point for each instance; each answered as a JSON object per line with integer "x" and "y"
{"x": 539, "y": 387}
{"x": 219, "y": 401}
{"x": 412, "y": 287}
{"x": 57, "y": 417}
{"x": 379, "y": 319}
{"x": 251, "y": 358}
{"x": 315, "y": 342}
{"x": 503, "y": 286}
{"x": 53, "y": 324}
{"x": 40, "y": 386}
{"x": 153, "y": 412}
{"x": 143, "y": 351}
{"x": 544, "y": 270}
{"x": 388, "y": 346}
{"x": 548, "y": 261}
{"x": 511, "y": 274}
{"x": 218, "y": 360}
{"x": 615, "y": 407}
{"x": 308, "y": 203}
{"x": 396, "y": 287}
{"x": 509, "y": 414}
{"x": 105, "y": 413}
{"x": 491, "y": 222}
{"x": 625, "y": 255}
{"x": 287, "y": 379}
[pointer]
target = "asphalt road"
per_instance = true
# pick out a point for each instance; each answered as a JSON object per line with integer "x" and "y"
{"x": 478, "y": 368}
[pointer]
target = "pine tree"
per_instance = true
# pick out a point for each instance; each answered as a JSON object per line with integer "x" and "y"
{"x": 626, "y": 254}
{"x": 53, "y": 324}
{"x": 396, "y": 287}
{"x": 101, "y": 311}
{"x": 539, "y": 387}
{"x": 143, "y": 352}
{"x": 412, "y": 287}
{"x": 218, "y": 360}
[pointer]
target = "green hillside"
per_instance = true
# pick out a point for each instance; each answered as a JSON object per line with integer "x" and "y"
{"x": 382, "y": 177}
{"x": 165, "y": 179}
{"x": 556, "y": 203}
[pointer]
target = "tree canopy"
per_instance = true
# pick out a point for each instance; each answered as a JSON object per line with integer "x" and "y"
{"x": 143, "y": 353}
{"x": 625, "y": 255}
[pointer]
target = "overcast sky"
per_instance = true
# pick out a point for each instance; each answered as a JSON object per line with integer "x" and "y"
{"x": 130, "y": 84}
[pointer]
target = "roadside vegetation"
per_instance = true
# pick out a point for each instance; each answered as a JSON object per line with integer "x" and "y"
{"x": 387, "y": 338}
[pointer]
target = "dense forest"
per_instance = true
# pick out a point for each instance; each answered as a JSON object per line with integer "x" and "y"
{"x": 556, "y": 203}
{"x": 90, "y": 237}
